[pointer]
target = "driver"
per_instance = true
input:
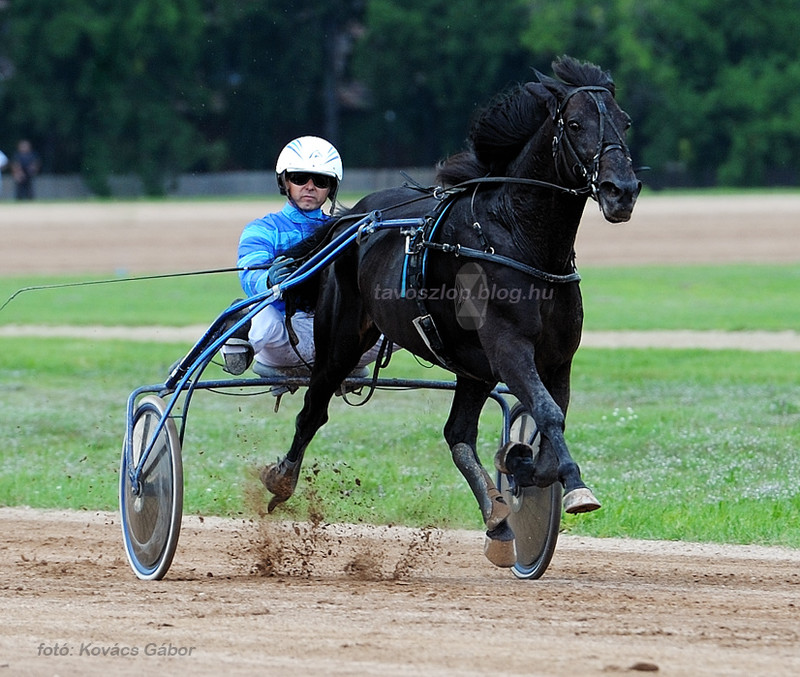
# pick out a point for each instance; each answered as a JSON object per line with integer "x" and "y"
{"x": 308, "y": 172}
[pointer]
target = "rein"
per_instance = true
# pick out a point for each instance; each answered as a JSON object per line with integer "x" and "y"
{"x": 114, "y": 280}
{"x": 440, "y": 193}
{"x": 467, "y": 252}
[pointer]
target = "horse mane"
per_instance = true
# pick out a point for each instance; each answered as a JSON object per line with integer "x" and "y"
{"x": 497, "y": 135}
{"x": 500, "y": 131}
{"x": 582, "y": 73}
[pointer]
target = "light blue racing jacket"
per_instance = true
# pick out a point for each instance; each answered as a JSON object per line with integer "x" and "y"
{"x": 264, "y": 239}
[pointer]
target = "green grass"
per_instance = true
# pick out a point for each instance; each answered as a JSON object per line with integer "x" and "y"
{"x": 655, "y": 297}
{"x": 690, "y": 445}
{"x": 725, "y": 297}
{"x": 169, "y": 302}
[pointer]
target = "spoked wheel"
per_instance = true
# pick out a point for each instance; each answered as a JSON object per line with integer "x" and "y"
{"x": 535, "y": 512}
{"x": 151, "y": 512}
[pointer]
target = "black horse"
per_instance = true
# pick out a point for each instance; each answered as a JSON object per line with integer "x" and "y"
{"x": 487, "y": 287}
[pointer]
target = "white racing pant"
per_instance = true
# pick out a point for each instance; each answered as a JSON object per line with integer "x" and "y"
{"x": 270, "y": 340}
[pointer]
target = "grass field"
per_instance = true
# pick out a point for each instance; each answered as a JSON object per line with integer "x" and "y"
{"x": 691, "y": 445}
{"x": 655, "y": 297}
{"x": 724, "y": 297}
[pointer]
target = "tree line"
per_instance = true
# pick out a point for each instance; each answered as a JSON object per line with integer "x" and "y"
{"x": 159, "y": 87}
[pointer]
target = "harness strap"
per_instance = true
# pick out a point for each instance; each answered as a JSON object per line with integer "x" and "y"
{"x": 428, "y": 332}
{"x": 416, "y": 254}
{"x": 468, "y": 252}
{"x": 414, "y": 274}
{"x": 585, "y": 190}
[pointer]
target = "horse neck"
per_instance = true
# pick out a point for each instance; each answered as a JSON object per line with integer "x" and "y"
{"x": 543, "y": 221}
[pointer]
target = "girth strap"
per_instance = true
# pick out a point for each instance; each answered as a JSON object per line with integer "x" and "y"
{"x": 428, "y": 332}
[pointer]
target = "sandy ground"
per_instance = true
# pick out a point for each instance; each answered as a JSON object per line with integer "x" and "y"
{"x": 386, "y": 602}
{"x": 268, "y": 598}
{"x": 152, "y": 237}
{"x": 755, "y": 341}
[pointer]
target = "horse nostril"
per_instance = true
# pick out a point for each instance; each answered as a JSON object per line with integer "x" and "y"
{"x": 615, "y": 191}
{"x": 610, "y": 189}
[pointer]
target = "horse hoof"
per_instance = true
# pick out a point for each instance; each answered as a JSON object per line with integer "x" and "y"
{"x": 580, "y": 500}
{"x": 499, "y": 546}
{"x": 280, "y": 479}
{"x": 500, "y": 553}
{"x": 514, "y": 457}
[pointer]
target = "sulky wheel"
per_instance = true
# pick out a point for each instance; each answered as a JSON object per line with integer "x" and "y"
{"x": 535, "y": 512}
{"x": 151, "y": 512}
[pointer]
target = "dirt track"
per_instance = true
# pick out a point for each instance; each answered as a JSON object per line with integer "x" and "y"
{"x": 372, "y": 601}
{"x": 386, "y": 602}
{"x": 170, "y": 237}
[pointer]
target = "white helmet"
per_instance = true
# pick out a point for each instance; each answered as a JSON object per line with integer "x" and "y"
{"x": 309, "y": 154}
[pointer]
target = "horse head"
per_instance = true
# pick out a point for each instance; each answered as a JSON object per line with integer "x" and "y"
{"x": 589, "y": 142}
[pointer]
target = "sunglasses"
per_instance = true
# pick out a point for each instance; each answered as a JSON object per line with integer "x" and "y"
{"x": 302, "y": 178}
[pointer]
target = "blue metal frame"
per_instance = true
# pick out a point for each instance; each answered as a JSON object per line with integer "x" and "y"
{"x": 182, "y": 379}
{"x": 188, "y": 387}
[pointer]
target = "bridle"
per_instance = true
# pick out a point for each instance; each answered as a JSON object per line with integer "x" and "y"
{"x": 563, "y": 152}
{"x": 589, "y": 173}
{"x": 569, "y": 158}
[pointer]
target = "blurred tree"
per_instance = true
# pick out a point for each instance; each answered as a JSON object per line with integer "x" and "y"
{"x": 108, "y": 86}
{"x": 711, "y": 84}
{"x": 157, "y": 87}
{"x": 276, "y": 70}
{"x": 610, "y": 34}
{"x": 427, "y": 65}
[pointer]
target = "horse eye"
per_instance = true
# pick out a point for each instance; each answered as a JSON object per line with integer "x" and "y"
{"x": 574, "y": 125}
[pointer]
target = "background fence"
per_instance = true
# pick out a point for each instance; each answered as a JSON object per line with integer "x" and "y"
{"x": 224, "y": 184}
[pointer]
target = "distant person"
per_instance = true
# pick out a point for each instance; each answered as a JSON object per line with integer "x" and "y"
{"x": 24, "y": 167}
{"x": 3, "y": 163}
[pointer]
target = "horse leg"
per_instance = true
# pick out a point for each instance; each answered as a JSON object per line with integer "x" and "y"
{"x": 548, "y": 407}
{"x": 578, "y": 497}
{"x": 461, "y": 433}
{"x": 280, "y": 478}
{"x": 341, "y": 336}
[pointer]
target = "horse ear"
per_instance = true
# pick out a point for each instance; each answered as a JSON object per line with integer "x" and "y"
{"x": 556, "y": 87}
{"x": 543, "y": 96}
